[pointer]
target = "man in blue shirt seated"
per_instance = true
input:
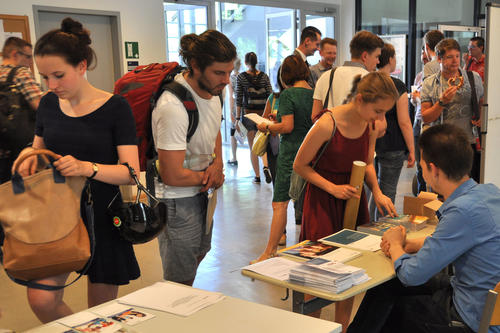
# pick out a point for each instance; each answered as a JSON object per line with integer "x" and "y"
{"x": 422, "y": 298}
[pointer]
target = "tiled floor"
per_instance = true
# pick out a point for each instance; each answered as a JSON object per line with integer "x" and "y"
{"x": 241, "y": 226}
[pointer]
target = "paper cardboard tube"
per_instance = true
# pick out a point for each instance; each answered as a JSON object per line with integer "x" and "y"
{"x": 352, "y": 205}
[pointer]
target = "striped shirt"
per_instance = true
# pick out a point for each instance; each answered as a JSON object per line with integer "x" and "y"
{"x": 242, "y": 88}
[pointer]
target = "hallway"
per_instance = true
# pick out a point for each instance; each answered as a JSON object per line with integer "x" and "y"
{"x": 241, "y": 227}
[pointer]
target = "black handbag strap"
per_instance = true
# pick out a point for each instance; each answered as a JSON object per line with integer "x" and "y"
{"x": 328, "y": 142}
{"x": 475, "y": 104}
{"x": 140, "y": 187}
{"x": 325, "y": 103}
{"x": 89, "y": 214}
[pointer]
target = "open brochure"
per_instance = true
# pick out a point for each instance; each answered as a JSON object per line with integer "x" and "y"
{"x": 124, "y": 314}
{"x": 310, "y": 249}
{"x": 354, "y": 239}
{"x": 258, "y": 119}
{"x": 276, "y": 268}
{"x": 89, "y": 322}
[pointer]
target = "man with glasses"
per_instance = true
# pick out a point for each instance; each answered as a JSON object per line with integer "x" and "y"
{"x": 446, "y": 96}
{"x": 474, "y": 59}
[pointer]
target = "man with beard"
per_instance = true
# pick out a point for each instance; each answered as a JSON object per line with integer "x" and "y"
{"x": 190, "y": 168}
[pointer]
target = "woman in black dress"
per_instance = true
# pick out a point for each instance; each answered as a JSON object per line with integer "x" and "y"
{"x": 92, "y": 130}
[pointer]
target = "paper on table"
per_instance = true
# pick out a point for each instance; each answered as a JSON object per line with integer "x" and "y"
{"x": 341, "y": 255}
{"x": 89, "y": 322}
{"x": 258, "y": 119}
{"x": 277, "y": 268}
{"x": 172, "y": 298}
{"x": 123, "y": 313}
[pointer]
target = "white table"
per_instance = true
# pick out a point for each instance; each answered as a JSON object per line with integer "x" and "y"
{"x": 229, "y": 315}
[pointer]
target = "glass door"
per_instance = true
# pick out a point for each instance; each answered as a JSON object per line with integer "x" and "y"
{"x": 462, "y": 34}
{"x": 280, "y": 41}
{"x": 325, "y": 24}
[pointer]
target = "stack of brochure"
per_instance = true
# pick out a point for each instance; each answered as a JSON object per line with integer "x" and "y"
{"x": 328, "y": 275}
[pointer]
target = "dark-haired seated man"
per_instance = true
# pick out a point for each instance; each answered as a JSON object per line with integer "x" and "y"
{"x": 467, "y": 236}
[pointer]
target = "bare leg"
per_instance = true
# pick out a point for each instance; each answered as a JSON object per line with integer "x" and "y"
{"x": 99, "y": 293}
{"x": 264, "y": 160}
{"x": 277, "y": 226}
{"x": 343, "y": 312}
{"x": 234, "y": 145}
{"x": 254, "y": 158}
{"x": 49, "y": 305}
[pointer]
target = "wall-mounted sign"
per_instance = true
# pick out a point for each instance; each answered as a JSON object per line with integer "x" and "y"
{"x": 132, "y": 50}
{"x": 131, "y": 65}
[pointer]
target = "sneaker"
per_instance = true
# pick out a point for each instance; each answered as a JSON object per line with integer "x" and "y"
{"x": 256, "y": 180}
{"x": 267, "y": 173}
{"x": 235, "y": 162}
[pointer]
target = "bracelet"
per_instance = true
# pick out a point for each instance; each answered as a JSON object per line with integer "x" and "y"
{"x": 440, "y": 102}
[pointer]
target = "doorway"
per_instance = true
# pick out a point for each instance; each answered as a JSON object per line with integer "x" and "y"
{"x": 104, "y": 33}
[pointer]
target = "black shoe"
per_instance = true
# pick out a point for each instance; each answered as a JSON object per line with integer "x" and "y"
{"x": 256, "y": 180}
{"x": 235, "y": 162}
{"x": 267, "y": 173}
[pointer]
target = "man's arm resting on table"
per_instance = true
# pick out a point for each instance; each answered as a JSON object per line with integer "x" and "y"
{"x": 172, "y": 171}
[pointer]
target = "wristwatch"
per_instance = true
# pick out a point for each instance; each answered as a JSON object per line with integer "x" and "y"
{"x": 95, "y": 168}
{"x": 440, "y": 102}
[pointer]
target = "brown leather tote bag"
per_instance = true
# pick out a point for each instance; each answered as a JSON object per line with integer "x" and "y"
{"x": 44, "y": 231}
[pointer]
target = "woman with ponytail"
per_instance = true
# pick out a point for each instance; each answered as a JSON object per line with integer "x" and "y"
{"x": 354, "y": 140}
{"x": 252, "y": 89}
{"x": 92, "y": 131}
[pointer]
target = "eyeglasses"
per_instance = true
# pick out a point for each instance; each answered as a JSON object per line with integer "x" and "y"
{"x": 28, "y": 56}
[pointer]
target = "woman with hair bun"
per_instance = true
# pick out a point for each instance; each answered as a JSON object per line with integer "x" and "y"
{"x": 252, "y": 89}
{"x": 92, "y": 131}
{"x": 328, "y": 186}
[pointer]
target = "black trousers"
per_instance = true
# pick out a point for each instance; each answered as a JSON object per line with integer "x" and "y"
{"x": 392, "y": 307}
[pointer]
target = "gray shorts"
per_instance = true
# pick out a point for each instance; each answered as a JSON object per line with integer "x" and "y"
{"x": 184, "y": 239}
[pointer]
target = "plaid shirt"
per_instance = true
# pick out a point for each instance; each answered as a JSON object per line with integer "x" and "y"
{"x": 24, "y": 79}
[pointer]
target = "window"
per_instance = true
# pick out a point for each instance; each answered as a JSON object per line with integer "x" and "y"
{"x": 182, "y": 19}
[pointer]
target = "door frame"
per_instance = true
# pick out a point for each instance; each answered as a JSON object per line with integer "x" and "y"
{"x": 116, "y": 33}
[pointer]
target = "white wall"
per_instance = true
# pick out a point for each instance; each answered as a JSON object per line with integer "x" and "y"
{"x": 141, "y": 21}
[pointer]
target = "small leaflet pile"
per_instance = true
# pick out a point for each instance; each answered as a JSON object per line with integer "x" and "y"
{"x": 331, "y": 276}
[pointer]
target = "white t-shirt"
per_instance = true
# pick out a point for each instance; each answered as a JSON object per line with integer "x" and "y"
{"x": 341, "y": 85}
{"x": 170, "y": 124}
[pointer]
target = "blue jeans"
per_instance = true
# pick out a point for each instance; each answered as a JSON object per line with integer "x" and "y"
{"x": 389, "y": 165}
{"x": 184, "y": 240}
